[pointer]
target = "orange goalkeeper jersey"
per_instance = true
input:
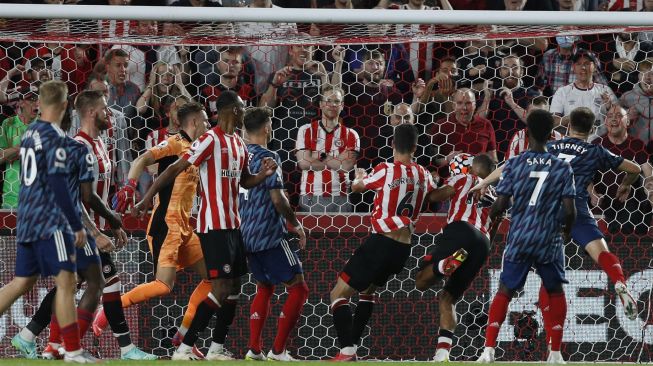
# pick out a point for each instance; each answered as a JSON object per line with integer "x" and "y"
{"x": 175, "y": 202}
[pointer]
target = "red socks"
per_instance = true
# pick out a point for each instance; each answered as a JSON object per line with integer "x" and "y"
{"x": 55, "y": 332}
{"x": 84, "y": 319}
{"x": 496, "y": 317}
{"x": 258, "y": 313}
{"x": 70, "y": 335}
{"x": 545, "y": 308}
{"x": 290, "y": 313}
{"x": 611, "y": 266}
{"x": 557, "y": 315}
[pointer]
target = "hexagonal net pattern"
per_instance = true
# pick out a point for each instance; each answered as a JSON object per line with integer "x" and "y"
{"x": 335, "y": 96}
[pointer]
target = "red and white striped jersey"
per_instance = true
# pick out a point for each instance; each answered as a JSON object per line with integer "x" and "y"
{"x": 103, "y": 166}
{"x": 400, "y": 192}
{"x": 422, "y": 53}
{"x": 156, "y": 137}
{"x": 314, "y": 137}
{"x": 465, "y": 207}
{"x": 221, "y": 158}
{"x": 519, "y": 142}
{"x": 114, "y": 28}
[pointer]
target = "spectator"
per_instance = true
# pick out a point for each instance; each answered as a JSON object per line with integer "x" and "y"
{"x": 583, "y": 92}
{"x": 639, "y": 102}
{"x": 164, "y": 87}
{"x": 326, "y": 152}
{"x": 230, "y": 77}
{"x": 556, "y": 69}
{"x": 507, "y": 106}
{"x": 21, "y": 77}
{"x": 461, "y": 132}
{"x": 141, "y": 57}
{"x": 516, "y": 5}
{"x": 435, "y": 99}
{"x": 266, "y": 59}
{"x": 420, "y": 55}
{"x": 480, "y": 63}
{"x": 635, "y": 212}
{"x": 365, "y": 100}
{"x": 293, "y": 92}
{"x": 647, "y": 37}
{"x": 124, "y": 95}
{"x": 519, "y": 142}
{"x": 623, "y": 54}
{"x": 157, "y": 136}
{"x": 177, "y": 56}
{"x": 203, "y": 3}
{"x": 11, "y": 132}
{"x": 398, "y": 114}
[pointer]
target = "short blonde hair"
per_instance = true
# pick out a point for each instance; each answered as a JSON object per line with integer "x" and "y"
{"x": 53, "y": 93}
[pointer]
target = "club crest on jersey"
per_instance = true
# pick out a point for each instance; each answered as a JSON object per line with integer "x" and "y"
{"x": 339, "y": 143}
{"x": 195, "y": 145}
{"x": 226, "y": 268}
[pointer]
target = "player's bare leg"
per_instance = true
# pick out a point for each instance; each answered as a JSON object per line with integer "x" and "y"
{"x": 598, "y": 250}
{"x": 16, "y": 288}
{"x": 448, "y": 322}
{"x": 343, "y": 319}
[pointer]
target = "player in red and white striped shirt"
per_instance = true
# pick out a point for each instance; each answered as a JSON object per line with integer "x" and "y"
{"x": 519, "y": 141}
{"x": 401, "y": 187}
{"x": 222, "y": 158}
{"x": 326, "y": 152}
{"x": 461, "y": 249}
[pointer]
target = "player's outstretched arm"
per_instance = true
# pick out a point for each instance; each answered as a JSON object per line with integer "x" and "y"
{"x": 165, "y": 179}
{"x": 489, "y": 180}
{"x": 247, "y": 180}
{"x": 569, "y": 206}
{"x": 441, "y": 194}
{"x": 499, "y": 207}
{"x": 127, "y": 193}
{"x": 281, "y": 204}
{"x": 633, "y": 170}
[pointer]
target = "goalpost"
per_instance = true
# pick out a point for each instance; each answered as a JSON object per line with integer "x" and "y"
{"x": 68, "y": 42}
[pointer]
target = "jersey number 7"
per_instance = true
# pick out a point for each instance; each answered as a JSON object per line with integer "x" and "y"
{"x": 541, "y": 177}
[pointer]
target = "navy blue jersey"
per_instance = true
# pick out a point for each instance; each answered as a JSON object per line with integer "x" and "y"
{"x": 261, "y": 225}
{"x": 42, "y": 153}
{"x": 586, "y": 160}
{"x": 537, "y": 181}
{"x": 81, "y": 163}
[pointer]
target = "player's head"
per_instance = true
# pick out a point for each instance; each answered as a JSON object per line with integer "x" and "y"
{"x": 91, "y": 106}
{"x": 258, "y": 123}
{"x": 404, "y": 140}
{"x": 581, "y": 120}
{"x": 53, "y": 100}
{"x": 540, "y": 102}
{"x": 230, "y": 107}
{"x": 540, "y": 125}
{"x": 193, "y": 119}
{"x": 174, "y": 107}
{"x": 482, "y": 166}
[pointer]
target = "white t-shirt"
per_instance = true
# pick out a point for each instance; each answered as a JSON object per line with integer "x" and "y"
{"x": 569, "y": 97}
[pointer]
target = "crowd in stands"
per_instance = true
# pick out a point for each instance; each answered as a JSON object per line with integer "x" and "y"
{"x": 334, "y": 107}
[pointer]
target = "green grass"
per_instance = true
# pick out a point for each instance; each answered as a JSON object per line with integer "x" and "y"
{"x": 24, "y": 362}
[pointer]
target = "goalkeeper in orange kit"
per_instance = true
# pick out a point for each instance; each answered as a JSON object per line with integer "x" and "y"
{"x": 170, "y": 236}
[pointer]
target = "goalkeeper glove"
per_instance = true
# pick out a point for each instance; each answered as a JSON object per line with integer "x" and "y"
{"x": 126, "y": 196}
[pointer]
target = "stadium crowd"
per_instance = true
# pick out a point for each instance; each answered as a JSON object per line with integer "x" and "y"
{"x": 469, "y": 97}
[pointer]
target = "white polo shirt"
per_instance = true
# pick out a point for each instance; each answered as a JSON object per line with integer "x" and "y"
{"x": 570, "y": 97}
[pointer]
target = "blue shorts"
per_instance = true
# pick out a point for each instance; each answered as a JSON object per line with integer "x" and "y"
{"x": 585, "y": 229}
{"x": 513, "y": 274}
{"x": 276, "y": 265}
{"x": 46, "y": 257}
{"x": 87, "y": 255}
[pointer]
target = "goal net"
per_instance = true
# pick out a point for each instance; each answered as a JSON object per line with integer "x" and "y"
{"x": 393, "y": 72}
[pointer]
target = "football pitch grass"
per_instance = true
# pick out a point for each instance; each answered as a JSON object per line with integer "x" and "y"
{"x": 24, "y": 362}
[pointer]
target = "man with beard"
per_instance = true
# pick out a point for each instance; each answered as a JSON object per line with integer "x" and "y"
{"x": 11, "y": 132}
{"x": 123, "y": 96}
{"x": 326, "y": 152}
{"x": 507, "y": 108}
{"x": 461, "y": 132}
{"x": 639, "y": 102}
{"x": 228, "y": 68}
